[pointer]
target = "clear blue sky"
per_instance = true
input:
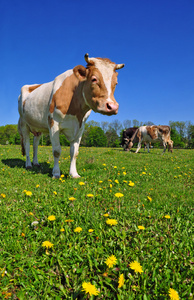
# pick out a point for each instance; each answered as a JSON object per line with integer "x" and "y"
{"x": 154, "y": 38}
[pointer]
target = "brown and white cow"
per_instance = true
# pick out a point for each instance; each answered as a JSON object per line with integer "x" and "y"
{"x": 152, "y": 134}
{"x": 63, "y": 106}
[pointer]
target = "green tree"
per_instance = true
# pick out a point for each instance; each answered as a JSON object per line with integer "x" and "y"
{"x": 96, "y": 137}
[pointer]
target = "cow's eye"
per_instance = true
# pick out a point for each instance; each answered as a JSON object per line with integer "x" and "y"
{"x": 94, "y": 79}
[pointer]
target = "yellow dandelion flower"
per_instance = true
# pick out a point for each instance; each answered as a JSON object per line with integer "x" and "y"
{"x": 37, "y": 185}
{"x": 115, "y": 167}
{"x": 23, "y": 234}
{"x": 121, "y": 281}
{"x": 110, "y": 185}
{"x": 81, "y": 183}
{"x": 47, "y": 244}
{"x": 90, "y": 195}
{"x": 116, "y": 181}
{"x": 90, "y": 230}
{"x": 28, "y": 193}
{"x": 100, "y": 181}
{"x": 68, "y": 221}
{"x": 119, "y": 195}
{"x": 3, "y": 195}
{"x": 149, "y": 198}
{"x": 62, "y": 175}
{"x": 135, "y": 265}
{"x": 173, "y": 294}
{"x": 144, "y": 173}
{"x": 111, "y": 261}
{"x": 78, "y": 229}
{"x": 30, "y": 213}
{"x": 124, "y": 173}
{"x": 167, "y": 217}
{"x": 104, "y": 165}
{"x": 51, "y": 218}
{"x": 55, "y": 193}
{"x": 106, "y": 215}
{"x": 89, "y": 288}
{"x": 62, "y": 229}
{"x": 131, "y": 183}
{"x": 141, "y": 227}
{"x": 111, "y": 222}
{"x": 71, "y": 198}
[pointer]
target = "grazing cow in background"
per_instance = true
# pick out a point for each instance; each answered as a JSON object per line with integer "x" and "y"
{"x": 63, "y": 105}
{"x": 126, "y": 138}
{"x": 152, "y": 134}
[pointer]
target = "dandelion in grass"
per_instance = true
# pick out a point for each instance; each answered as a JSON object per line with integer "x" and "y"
{"x": 51, "y": 218}
{"x": 37, "y": 186}
{"x": 149, "y": 198}
{"x": 23, "y": 234}
{"x": 141, "y": 227}
{"x": 3, "y": 195}
{"x": 90, "y": 195}
{"x": 115, "y": 167}
{"x": 89, "y": 288}
{"x": 131, "y": 183}
{"x": 78, "y": 229}
{"x": 81, "y": 183}
{"x": 100, "y": 181}
{"x": 167, "y": 217}
{"x": 119, "y": 195}
{"x": 69, "y": 221}
{"x": 121, "y": 281}
{"x": 111, "y": 261}
{"x": 31, "y": 213}
{"x": 104, "y": 165}
{"x": 106, "y": 215}
{"x": 47, "y": 244}
{"x": 62, "y": 229}
{"x": 144, "y": 173}
{"x": 55, "y": 193}
{"x": 124, "y": 173}
{"x": 135, "y": 265}
{"x": 28, "y": 193}
{"x": 116, "y": 181}
{"x": 173, "y": 294}
{"x": 90, "y": 230}
{"x": 71, "y": 198}
{"x": 111, "y": 222}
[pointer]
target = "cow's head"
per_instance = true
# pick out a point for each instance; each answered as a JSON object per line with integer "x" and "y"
{"x": 170, "y": 145}
{"x": 100, "y": 80}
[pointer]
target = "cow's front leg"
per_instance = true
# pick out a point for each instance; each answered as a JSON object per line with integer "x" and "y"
{"x": 138, "y": 147}
{"x": 164, "y": 144}
{"x": 74, "y": 147}
{"x": 148, "y": 147}
{"x": 54, "y": 136}
{"x": 36, "y": 141}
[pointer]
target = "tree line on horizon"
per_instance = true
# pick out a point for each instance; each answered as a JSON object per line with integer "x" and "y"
{"x": 106, "y": 134}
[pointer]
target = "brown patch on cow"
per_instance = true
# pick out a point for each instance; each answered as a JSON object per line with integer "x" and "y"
{"x": 164, "y": 129}
{"x": 67, "y": 99}
{"x": 50, "y": 121}
{"x": 36, "y": 133}
{"x": 138, "y": 134}
{"x": 33, "y": 87}
{"x": 56, "y": 154}
{"x": 152, "y": 132}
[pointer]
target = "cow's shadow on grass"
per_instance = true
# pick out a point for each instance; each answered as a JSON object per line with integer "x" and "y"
{"x": 44, "y": 167}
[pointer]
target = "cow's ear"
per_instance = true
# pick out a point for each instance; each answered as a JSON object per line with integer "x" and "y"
{"x": 80, "y": 72}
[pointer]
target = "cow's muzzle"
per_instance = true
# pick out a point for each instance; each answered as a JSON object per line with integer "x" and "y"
{"x": 111, "y": 108}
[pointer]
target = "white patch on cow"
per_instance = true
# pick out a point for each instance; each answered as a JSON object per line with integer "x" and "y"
{"x": 60, "y": 79}
{"x": 106, "y": 70}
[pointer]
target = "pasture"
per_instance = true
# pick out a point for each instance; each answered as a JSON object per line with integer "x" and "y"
{"x": 77, "y": 238}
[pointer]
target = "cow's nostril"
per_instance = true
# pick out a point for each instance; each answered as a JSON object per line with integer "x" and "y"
{"x": 109, "y": 106}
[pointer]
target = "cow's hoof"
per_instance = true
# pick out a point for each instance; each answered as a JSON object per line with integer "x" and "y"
{"x": 28, "y": 167}
{"x": 36, "y": 165}
{"x": 56, "y": 176}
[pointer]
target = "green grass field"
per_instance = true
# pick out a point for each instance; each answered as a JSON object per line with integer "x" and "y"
{"x": 127, "y": 190}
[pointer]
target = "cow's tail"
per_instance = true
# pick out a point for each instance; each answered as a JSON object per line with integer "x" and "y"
{"x": 21, "y": 138}
{"x": 134, "y": 135}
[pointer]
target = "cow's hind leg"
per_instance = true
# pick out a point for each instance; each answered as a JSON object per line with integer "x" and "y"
{"x": 54, "y": 136}
{"x": 164, "y": 144}
{"x": 25, "y": 137}
{"x": 35, "y": 149}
